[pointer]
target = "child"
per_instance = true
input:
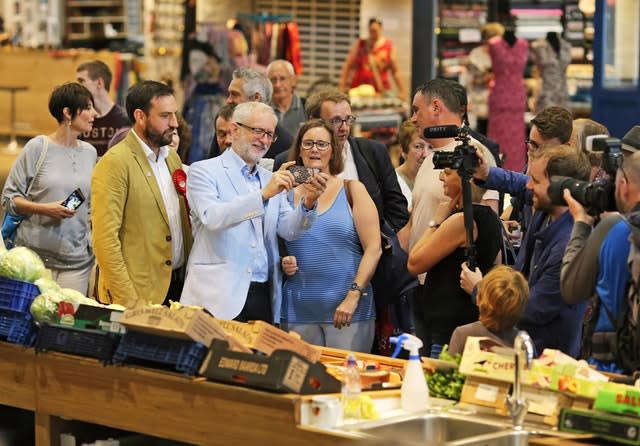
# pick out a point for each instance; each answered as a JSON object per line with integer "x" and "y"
{"x": 502, "y": 298}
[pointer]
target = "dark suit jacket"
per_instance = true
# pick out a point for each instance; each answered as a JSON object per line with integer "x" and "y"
{"x": 385, "y": 190}
{"x": 282, "y": 144}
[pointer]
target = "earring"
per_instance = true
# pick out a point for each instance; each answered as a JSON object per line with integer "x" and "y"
{"x": 69, "y": 123}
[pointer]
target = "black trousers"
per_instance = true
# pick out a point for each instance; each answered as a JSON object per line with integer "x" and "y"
{"x": 175, "y": 286}
{"x": 258, "y": 304}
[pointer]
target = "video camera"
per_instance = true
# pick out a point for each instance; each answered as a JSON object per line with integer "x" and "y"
{"x": 463, "y": 157}
{"x": 597, "y": 196}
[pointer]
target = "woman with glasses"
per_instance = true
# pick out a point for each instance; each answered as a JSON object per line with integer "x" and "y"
{"x": 414, "y": 151}
{"x": 327, "y": 297}
{"x": 440, "y": 252}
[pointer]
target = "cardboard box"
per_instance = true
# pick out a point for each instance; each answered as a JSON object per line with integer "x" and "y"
{"x": 266, "y": 338}
{"x": 94, "y": 317}
{"x": 487, "y": 393}
{"x": 191, "y": 323}
{"x": 618, "y": 398}
{"x": 485, "y": 358}
{"x": 283, "y": 371}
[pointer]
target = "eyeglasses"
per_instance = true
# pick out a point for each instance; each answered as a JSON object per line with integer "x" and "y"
{"x": 337, "y": 122}
{"x": 624, "y": 174}
{"x": 532, "y": 145}
{"x": 308, "y": 144}
{"x": 259, "y": 133}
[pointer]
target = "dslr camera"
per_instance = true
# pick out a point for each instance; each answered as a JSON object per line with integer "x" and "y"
{"x": 597, "y": 196}
{"x": 463, "y": 157}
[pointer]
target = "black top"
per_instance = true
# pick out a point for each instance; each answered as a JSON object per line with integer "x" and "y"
{"x": 448, "y": 306}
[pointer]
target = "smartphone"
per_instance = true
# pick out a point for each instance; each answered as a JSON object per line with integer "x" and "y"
{"x": 74, "y": 200}
{"x": 302, "y": 174}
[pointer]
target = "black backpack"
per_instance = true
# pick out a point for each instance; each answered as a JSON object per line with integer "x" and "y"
{"x": 628, "y": 331}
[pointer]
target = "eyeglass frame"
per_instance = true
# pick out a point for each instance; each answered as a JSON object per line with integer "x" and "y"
{"x": 337, "y": 122}
{"x": 258, "y": 132}
{"x": 314, "y": 144}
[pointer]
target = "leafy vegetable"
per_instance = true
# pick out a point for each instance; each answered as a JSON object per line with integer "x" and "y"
{"x": 45, "y": 306}
{"x": 446, "y": 383}
{"x": 21, "y": 263}
{"x": 44, "y": 284}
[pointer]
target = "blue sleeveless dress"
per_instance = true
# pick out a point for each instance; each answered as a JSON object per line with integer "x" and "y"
{"x": 328, "y": 256}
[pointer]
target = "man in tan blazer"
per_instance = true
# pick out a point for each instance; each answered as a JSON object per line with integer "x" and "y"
{"x": 141, "y": 232}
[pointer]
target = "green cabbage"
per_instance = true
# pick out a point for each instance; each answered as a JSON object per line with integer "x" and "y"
{"x": 21, "y": 263}
{"x": 45, "y": 306}
{"x": 45, "y": 284}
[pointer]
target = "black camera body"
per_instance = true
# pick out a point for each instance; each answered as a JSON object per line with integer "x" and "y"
{"x": 463, "y": 157}
{"x": 597, "y": 196}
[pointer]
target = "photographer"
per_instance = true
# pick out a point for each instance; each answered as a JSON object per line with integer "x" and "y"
{"x": 550, "y": 321}
{"x": 594, "y": 265}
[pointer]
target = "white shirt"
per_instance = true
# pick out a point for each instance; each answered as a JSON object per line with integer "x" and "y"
{"x": 350, "y": 172}
{"x": 170, "y": 198}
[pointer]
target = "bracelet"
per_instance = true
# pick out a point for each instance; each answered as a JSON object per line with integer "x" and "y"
{"x": 355, "y": 287}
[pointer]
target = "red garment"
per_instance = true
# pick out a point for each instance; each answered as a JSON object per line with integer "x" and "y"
{"x": 364, "y": 73}
{"x": 508, "y": 100}
{"x": 293, "y": 53}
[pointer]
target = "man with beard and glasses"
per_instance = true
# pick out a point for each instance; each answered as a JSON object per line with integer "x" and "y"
{"x": 551, "y": 322}
{"x": 239, "y": 209}
{"x": 141, "y": 232}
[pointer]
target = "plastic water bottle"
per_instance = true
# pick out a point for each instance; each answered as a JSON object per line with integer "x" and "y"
{"x": 351, "y": 389}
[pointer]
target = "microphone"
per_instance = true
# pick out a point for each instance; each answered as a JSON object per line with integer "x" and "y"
{"x": 441, "y": 131}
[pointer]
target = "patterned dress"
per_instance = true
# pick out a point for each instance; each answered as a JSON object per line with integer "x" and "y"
{"x": 553, "y": 69}
{"x": 508, "y": 100}
{"x": 364, "y": 74}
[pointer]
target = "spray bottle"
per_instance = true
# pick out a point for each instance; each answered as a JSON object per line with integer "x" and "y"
{"x": 414, "y": 394}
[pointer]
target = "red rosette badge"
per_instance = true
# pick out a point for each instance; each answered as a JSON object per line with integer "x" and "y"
{"x": 179, "y": 178}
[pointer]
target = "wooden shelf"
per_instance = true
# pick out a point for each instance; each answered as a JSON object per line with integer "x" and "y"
{"x": 93, "y": 3}
{"x": 59, "y": 387}
{"x": 89, "y": 20}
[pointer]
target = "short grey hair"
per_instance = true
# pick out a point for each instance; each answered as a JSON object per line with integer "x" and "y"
{"x": 254, "y": 83}
{"x": 245, "y": 111}
{"x": 288, "y": 65}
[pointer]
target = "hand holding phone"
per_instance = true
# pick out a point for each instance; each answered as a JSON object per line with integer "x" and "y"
{"x": 302, "y": 174}
{"x": 74, "y": 200}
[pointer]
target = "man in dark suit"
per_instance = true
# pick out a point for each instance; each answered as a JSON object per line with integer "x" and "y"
{"x": 251, "y": 85}
{"x": 365, "y": 160}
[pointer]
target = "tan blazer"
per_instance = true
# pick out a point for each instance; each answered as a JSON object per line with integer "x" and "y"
{"x": 131, "y": 235}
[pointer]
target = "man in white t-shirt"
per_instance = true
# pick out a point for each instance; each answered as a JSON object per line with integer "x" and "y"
{"x": 435, "y": 103}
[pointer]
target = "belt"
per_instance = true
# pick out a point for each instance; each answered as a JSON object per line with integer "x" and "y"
{"x": 258, "y": 285}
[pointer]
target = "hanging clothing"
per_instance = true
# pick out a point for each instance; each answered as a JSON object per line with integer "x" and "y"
{"x": 508, "y": 100}
{"x": 553, "y": 72}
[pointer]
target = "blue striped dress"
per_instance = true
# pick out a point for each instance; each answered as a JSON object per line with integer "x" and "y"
{"x": 328, "y": 256}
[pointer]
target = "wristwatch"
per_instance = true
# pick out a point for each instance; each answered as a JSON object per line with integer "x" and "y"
{"x": 355, "y": 287}
{"x": 433, "y": 224}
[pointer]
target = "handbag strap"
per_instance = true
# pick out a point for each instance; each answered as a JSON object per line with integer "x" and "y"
{"x": 347, "y": 192}
{"x": 43, "y": 155}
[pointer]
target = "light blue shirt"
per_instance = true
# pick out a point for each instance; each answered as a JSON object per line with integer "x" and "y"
{"x": 260, "y": 268}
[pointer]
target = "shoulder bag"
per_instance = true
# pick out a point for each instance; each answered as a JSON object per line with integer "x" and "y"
{"x": 11, "y": 222}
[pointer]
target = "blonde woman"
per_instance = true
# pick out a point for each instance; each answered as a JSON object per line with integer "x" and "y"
{"x": 502, "y": 298}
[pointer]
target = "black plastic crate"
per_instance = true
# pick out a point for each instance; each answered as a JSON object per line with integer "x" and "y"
{"x": 17, "y": 295}
{"x": 160, "y": 352}
{"x": 97, "y": 344}
{"x": 17, "y": 327}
